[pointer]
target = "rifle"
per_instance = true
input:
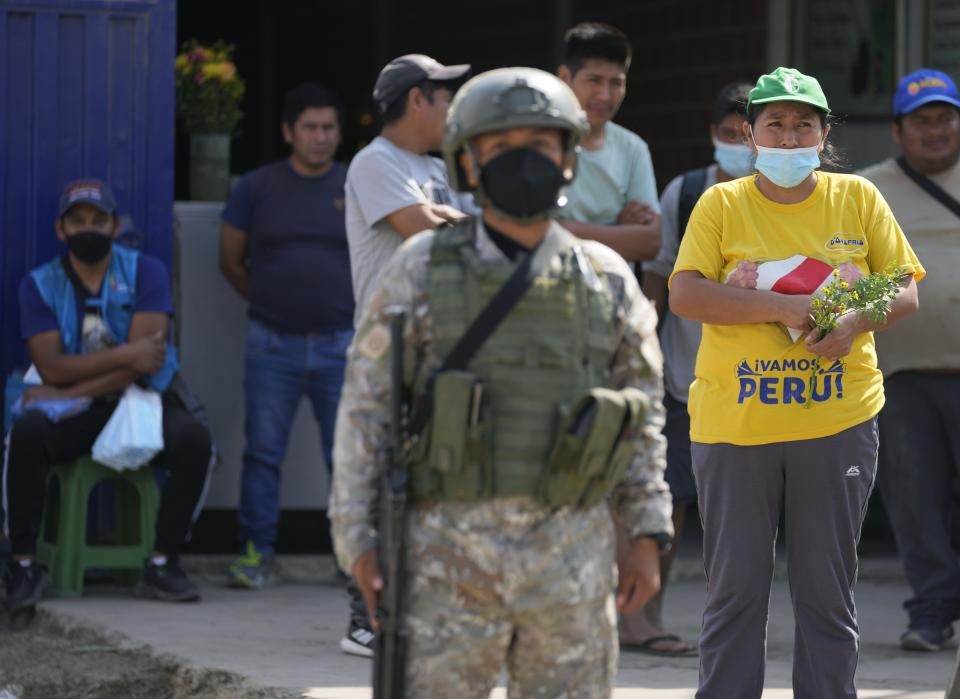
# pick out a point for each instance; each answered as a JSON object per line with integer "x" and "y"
{"x": 389, "y": 663}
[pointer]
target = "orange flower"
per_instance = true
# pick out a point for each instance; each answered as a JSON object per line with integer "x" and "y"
{"x": 229, "y": 72}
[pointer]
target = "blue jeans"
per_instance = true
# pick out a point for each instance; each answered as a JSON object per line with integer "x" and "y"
{"x": 279, "y": 370}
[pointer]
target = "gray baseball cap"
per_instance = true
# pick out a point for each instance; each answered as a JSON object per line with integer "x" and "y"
{"x": 402, "y": 73}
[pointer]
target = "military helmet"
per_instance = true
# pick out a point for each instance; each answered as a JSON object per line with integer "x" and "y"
{"x": 509, "y": 98}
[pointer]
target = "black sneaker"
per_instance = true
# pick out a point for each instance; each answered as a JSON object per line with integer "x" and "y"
{"x": 359, "y": 640}
{"x": 166, "y": 582}
{"x": 927, "y": 638}
{"x": 26, "y": 585}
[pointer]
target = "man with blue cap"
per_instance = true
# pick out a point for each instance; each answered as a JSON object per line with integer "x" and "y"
{"x": 95, "y": 321}
{"x": 920, "y": 357}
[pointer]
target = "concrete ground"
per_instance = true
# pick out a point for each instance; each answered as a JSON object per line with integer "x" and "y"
{"x": 287, "y": 635}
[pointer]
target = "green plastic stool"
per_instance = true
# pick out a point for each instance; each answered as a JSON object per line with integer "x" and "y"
{"x": 63, "y": 544}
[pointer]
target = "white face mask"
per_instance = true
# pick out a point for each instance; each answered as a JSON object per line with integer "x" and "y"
{"x": 735, "y": 159}
{"x": 787, "y": 167}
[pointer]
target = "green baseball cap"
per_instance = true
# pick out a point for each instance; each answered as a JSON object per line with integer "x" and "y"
{"x": 788, "y": 85}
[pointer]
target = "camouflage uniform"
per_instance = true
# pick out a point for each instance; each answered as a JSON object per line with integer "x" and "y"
{"x": 503, "y": 580}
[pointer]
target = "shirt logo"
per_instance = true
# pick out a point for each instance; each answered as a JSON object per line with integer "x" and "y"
{"x": 852, "y": 472}
{"x": 770, "y": 381}
{"x": 844, "y": 242}
{"x": 119, "y": 286}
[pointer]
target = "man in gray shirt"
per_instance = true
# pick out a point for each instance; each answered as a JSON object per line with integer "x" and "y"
{"x": 394, "y": 187}
{"x": 680, "y": 340}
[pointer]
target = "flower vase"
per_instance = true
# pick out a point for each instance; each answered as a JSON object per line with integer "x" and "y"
{"x": 209, "y": 166}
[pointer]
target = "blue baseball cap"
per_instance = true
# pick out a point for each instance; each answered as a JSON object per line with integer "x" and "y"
{"x": 922, "y": 87}
{"x": 94, "y": 192}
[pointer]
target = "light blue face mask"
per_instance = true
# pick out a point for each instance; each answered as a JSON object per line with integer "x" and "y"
{"x": 735, "y": 159}
{"x": 787, "y": 167}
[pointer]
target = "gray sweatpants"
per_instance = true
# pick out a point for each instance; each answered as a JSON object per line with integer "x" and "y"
{"x": 822, "y": 487}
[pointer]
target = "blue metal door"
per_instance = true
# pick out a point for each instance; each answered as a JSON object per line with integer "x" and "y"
{"x": 87, "y": 90}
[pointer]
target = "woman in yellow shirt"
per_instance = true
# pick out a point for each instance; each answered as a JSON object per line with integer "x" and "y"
{"x": 778, "y": 424}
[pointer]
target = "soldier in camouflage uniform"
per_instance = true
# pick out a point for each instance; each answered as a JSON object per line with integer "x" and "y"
{"x": 510, "y": 547}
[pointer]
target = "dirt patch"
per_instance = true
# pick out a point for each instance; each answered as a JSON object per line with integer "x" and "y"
{"x": 55, "y": 658}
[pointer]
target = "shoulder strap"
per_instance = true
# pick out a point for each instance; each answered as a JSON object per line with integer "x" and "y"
{"x": 483, "y": 326}
{"x": 690, "y": 190}
{"x": 78, "y": 288}
{"x": 488, "y": 320}
{"x": 931, "y": 187}
{"x": 691, "y": 187}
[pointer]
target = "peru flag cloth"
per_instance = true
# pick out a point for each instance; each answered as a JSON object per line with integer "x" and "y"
{"x": 795, "y": 275}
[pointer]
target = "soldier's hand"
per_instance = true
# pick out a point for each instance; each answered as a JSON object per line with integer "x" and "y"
{"x": 639, "y": 575}
{"x": 366, "y": 571}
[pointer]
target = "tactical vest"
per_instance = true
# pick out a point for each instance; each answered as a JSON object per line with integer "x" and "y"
{"x": 504, "y": 427}
{"x": 116, "y": 301}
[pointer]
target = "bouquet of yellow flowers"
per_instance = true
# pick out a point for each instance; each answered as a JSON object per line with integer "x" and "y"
{"x": 868, "y": 296}
{"x": 208, "y": 88}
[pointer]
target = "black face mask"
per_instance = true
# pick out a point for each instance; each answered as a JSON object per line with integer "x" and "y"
{"x": 89, "y": 246}
{"x": 522, "y": 183}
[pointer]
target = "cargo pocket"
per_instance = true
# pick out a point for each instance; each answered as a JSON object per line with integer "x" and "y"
{"x": 458, "y": 453}
{"x": 582, "y": 449}
{"x": 637, "y": 405}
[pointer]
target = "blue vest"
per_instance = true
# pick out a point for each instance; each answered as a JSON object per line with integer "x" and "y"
{"x": 118, "y": 294}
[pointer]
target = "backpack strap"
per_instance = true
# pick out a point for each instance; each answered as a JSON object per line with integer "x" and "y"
{"x": 691, "y": 187}
{"x": 690, "y": 190}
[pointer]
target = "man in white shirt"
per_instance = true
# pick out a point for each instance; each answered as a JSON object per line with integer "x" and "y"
{"x": 395, "y": 189}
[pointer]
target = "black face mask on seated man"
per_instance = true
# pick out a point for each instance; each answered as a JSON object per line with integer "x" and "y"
{"x": 522, "y": 184}
{"x": 89, "y": 246}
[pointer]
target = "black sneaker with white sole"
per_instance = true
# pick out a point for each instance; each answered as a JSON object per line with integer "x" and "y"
{"x": 359, "y": 640}
{"x": 166, "y": 582}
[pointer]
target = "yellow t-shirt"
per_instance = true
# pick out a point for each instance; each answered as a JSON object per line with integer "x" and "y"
{"x": 753, "y": 384}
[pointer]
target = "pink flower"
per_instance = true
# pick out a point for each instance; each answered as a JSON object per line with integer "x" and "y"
{"x": 198, "y": 54}
{"x": 199, "y": 78}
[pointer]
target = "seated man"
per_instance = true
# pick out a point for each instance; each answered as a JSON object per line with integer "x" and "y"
{"x": 95, "y": 321}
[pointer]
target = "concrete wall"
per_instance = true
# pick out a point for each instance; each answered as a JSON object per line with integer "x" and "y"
{"x": 212, "y": 329}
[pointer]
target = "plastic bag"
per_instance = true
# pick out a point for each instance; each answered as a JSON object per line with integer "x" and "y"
{"x": 134, "y": 433}
{"x": 56, "y": 409}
